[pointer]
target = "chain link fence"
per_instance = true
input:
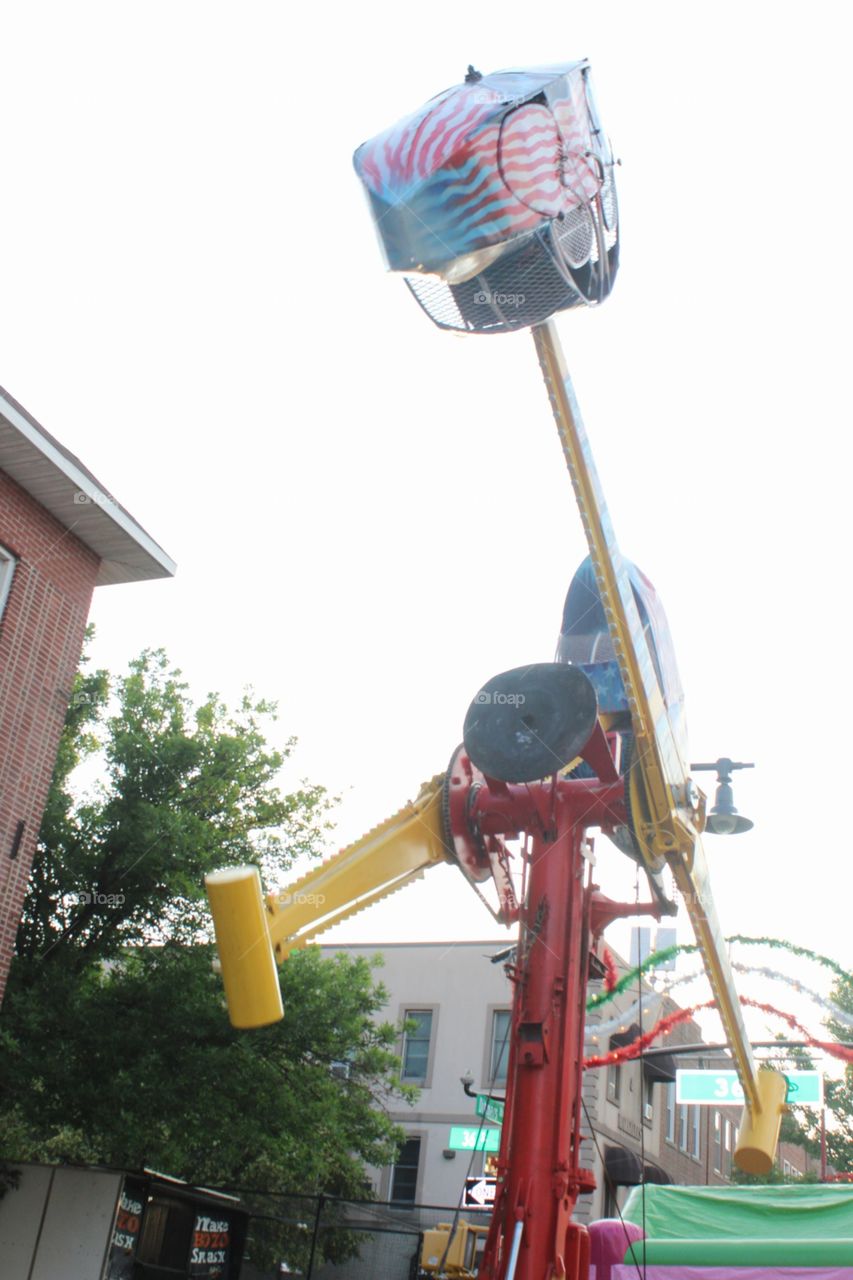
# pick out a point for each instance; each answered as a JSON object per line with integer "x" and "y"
{"x": 327, "y": 1238}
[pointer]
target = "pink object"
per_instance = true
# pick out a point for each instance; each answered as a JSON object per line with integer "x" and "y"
{"x": 608, "y": 1240}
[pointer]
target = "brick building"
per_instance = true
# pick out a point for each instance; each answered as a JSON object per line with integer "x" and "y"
{"x": 639, "y": 1132}
{"x": 61, "y": 535}
{"x": 794, "y": 1161}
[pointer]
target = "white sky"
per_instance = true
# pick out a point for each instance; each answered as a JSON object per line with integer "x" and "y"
{"x": 371, "y": 517}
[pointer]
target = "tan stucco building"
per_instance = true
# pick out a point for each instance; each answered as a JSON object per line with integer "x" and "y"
{"x": 455, "y": 999}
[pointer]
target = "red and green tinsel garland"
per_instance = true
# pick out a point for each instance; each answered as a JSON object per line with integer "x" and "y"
{"x": 664, "y": 1025}
{"x": 658, "y": 958}
{"x": 611, "y": 973}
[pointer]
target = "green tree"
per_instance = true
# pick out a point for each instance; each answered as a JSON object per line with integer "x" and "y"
{"x": 185, "y": 790}
{"x": 115, "y": 1045}
{"x": 792, "y": 1130}
{"x": 804, "y": 1123}
{"x": 838, "y": 1093}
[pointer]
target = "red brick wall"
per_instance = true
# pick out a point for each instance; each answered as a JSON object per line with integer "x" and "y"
{"x": 41, "y": 635}
{"x": 791, "y": 1154}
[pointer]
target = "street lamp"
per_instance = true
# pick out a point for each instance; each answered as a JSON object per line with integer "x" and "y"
{"x": 724, "y": 819}
{"x": 467, "y": 1081}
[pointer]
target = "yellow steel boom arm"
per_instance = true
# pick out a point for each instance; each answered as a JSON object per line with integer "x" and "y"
{"x": 251, "y": 935}
{"x": 390, "y": 856}
{"x": 668, "y": 808}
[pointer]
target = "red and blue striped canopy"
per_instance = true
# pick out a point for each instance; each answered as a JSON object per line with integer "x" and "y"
{"x": 484, "y": 163}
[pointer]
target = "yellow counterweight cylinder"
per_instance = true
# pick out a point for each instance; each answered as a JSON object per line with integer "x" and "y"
{"x": 759, "y": 1130}
{"x": 245, "y": 951}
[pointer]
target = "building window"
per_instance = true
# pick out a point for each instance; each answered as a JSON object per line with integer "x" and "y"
{"x": 648, "y": 1100}
{"x": 694, "y": 1132}
{"x": 670, "y": 1113}
{"x": 718, "y": 1142}
{"x": 499, "y": 1056}
{"x": 7, "y": 568}
{"x": 404, "y": 1174}
{"x": 614, "y": 1082}
{"x": 688, "y": 1129}
{"x": 416, "y": 1044}
{"x": 727, "y": 1151}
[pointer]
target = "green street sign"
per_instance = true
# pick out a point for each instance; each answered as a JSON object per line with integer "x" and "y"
{"x": 491, "y": 1108}
{"x": 474, "y": 1139}
{"x": 723, "y": 1089}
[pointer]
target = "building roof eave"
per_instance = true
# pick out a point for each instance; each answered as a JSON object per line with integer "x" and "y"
{"x": 65, "y": 487}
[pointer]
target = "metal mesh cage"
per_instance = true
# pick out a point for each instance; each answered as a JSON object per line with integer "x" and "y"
{"x": 575, "y": 235}
{"x": 571, "y": 262}
{"x": 608, "y": 204}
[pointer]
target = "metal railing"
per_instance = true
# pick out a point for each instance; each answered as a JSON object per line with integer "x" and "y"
{"x": 329, "y": 1238}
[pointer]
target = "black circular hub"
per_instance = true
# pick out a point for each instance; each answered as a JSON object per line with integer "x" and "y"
{"x": 530, "y": 722}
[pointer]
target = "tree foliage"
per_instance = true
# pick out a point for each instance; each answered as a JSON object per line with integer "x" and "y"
{"x": 115, "y": 1045}
{"x": 839, "y": 1091}
{"x": 139, "y": 1066}
{"x": 184, "y": 789}
{"x": 801, "y": 1126}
